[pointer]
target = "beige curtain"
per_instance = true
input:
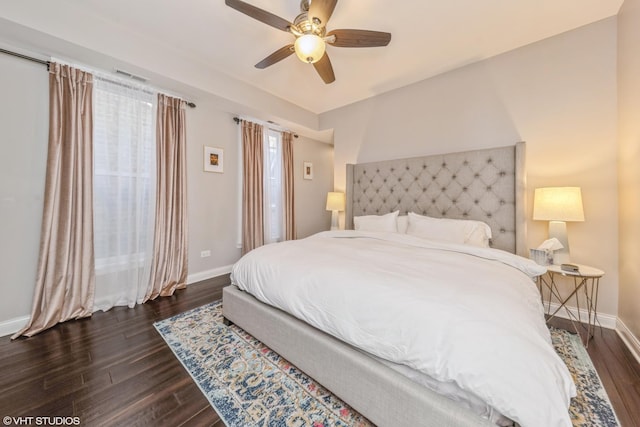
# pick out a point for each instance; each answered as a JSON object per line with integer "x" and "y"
{"x": 252, "y": 186}
{"x": 65, "y": 280}
{"x": 169, "y": 265}
{"x": 287, "y": 183}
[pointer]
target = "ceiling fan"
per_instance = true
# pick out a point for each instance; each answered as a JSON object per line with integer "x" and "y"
{"x": 310, "y": 30}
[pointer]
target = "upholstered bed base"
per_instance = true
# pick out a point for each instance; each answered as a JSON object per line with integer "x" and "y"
{"x": 485, "y": 185}
{"x": 384, "y": 396}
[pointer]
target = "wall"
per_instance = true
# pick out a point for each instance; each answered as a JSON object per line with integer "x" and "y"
{"x": 558, "y": 95}
{"x": 212, "y": 198}
{"x": 311, "y": 195}
{"x": 629, "y": 173}
{"x": 214, "y": 214}
{"x": 24, "y": 116}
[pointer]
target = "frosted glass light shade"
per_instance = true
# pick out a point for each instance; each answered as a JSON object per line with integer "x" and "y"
{"x": 309, "y": 48}
{"x": 335, "y": 201}
{"x": 558, "y": 204}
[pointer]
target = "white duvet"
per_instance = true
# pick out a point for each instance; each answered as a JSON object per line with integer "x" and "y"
{"x": 462, "y": 315}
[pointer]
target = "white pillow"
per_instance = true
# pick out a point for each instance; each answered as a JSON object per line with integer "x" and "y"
{"x": 480, "y": 236}
{"x": 377, "y": 222}
{"x": 475, "y": 233}
{"x": 403, "y": 223}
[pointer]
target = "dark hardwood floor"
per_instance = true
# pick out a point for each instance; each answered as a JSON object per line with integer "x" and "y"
{"x": 115, "y": 369}
{"x": 110, "y": 369}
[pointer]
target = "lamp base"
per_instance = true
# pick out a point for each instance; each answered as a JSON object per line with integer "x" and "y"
{"x": 558, "y": 229}
{"x": 334, "y": 221}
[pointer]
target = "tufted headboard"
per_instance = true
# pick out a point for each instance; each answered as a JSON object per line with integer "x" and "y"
{"x": 486, "y": 185}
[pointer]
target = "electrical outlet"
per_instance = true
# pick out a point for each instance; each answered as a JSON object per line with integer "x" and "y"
{"x": 204, "y": 254}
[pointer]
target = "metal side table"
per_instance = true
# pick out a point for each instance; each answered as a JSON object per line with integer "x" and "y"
{"x": 586, "y": 278}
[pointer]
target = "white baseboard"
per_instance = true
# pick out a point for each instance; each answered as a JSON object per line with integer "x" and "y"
{"x": 11, "y": 326}
{"x": 204, "y": 275}
{"x": 606, "y": 320}
{"x": 629, "y": 339}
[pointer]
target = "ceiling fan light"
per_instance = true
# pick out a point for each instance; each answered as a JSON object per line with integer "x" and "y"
{"x": 309, "y": 48}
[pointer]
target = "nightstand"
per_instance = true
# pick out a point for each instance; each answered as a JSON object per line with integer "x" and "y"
{"x": 586, "y": 279}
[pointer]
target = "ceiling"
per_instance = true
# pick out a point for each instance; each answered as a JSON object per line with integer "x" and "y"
{"x": 428, "y": 37}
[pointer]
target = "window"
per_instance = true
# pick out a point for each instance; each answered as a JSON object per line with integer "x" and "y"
{"x": 273, "y": 191}
{"x": 124, "y": 191}
{"x": 272, "y": 196}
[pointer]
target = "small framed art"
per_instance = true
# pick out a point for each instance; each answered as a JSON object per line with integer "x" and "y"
{"x": 307, "y": 169}
{"x": 213, "y": 159}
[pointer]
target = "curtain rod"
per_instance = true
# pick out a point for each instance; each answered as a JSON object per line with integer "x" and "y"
{"x": 237, "y": 120}
{"x": 47, "y": 63}
{"x": 28, "y": 58}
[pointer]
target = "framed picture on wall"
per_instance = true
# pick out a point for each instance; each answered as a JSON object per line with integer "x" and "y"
{"x": 307, "y": 169}
{"x": 213, "y": 159}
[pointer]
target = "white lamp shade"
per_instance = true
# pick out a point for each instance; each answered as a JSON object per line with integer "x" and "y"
{"x": 309, "y": 48}
{"x": 558, "y": 204}
{"x": 335, "y": 201}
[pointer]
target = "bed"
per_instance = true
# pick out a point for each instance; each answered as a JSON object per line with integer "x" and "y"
{"x": 482, "y": 185}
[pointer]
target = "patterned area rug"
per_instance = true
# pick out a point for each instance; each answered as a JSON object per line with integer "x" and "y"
{"x": 591, "y": 407}
{"x": 248, "y": 384}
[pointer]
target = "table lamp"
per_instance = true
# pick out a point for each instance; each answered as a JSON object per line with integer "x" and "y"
{"x": 335, "y": 203}
{"x": 558, "y": 205}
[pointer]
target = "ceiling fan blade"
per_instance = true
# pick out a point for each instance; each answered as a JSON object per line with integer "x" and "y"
{"x": 259, "y": 14}
{"x": 276, "y": 56}
{"x": 359, "y": 38}
{"x": 322, "y": 9}
{"x": 324, "y": 68}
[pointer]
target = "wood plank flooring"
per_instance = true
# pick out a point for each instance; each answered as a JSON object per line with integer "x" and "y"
{"x": 110, "y": 369}
{"x": 115, "y": 369}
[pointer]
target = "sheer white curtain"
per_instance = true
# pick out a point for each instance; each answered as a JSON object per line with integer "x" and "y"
{"x": 124, "y": 191}
{"x": 273, "y": 187}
